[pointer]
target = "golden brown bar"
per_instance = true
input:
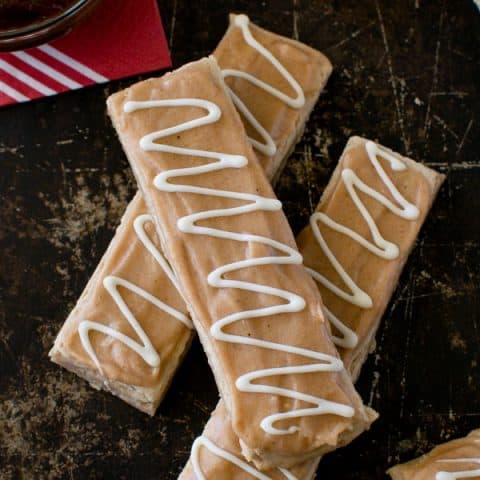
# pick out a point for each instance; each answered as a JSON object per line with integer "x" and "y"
{"x": 258, "y": 313}
{"x": 278, "y": 81}
{"x": 360, "y": 236}
{"x": 130, "y": 327}
{"x": 217, "y": 454}
{"x": 457, "y": 459}
{"x": 121, "y": 370}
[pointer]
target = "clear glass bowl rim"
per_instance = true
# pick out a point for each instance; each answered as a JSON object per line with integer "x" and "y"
{"x": 17, "y": 32}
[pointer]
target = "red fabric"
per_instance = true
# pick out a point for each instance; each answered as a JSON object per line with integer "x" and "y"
{"x": 120, "y": 38}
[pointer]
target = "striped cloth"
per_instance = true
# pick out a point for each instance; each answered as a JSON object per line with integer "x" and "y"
{"x": 121, "y": 38}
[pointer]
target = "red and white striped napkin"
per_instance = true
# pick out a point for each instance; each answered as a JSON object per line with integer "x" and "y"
{"x": 120, "y": 38}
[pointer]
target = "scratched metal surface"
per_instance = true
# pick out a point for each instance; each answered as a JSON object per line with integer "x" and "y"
{"x": 407, "y": 74}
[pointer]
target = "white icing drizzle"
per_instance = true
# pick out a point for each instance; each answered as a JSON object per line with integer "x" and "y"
{"x": 145, "y": 348}
{"x": 146, "y": 351}
{"x": 459, "y": 473}
{"x": 349, "y": 338}
{"x": 269, "y": 147}
{"x": 203, "y": 441}
{"x": 253, "y": 203}
{"x": 139, "y": 227}
{"x": 380, "y": 246}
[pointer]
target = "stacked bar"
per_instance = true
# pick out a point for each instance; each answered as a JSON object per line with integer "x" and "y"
{"x": 274, "y": 82}
{"x": 205, "y": 239}
{"x": 96, "y": 340}
{"x": 333, "y": 248}
{"x": 360, "y": 236}
{"x": 257, "y": 311}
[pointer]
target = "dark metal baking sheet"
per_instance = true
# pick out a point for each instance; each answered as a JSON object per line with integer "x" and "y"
{"x": 407, "y": 74}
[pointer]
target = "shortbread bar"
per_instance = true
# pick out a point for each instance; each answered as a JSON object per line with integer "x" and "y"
{"x": 360, "y": 236}
{"x": 456, "y": 459}
{"x": 98, "y": 354}
{"x": 258, "y": 313}
{"x": 216, "y": 454}
{"x": 130, "y": 327}
{"x": 274, "y": 82}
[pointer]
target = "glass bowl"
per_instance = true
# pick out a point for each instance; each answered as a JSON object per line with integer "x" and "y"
{"x": 26, "y": 23}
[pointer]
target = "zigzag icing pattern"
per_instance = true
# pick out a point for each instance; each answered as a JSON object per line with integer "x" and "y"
{"x": 146, "y": 351}
{"x": 380, "y": 246}
{"x": 203, "y": 441}
{"x": 253, "y": 203}
{"x": 112, "y": 283}
{"x": 269, "y": 147}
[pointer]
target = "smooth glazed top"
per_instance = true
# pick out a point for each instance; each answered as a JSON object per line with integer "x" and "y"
{"x": 369, "y": 257}
{"x": 450, "y": 461}
{"x": 217, "y": 454}
{"x": 131, "y": 318}
{"x": 246, "y": 51}
{"x": 178, "y": 186}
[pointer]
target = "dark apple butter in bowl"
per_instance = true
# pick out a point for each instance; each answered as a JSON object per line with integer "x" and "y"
{"x": 25, "y": 23}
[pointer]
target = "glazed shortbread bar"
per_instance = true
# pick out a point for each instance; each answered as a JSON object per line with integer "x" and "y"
{"x": 258, "y": 313}
{"x": 450, "y": 461}
{"x": 408, "y": 185}
{"x": 267, "y": 73}
{"x": 217, "y": 454}
{"x": 360, "y": 236}
{"x": 129, "y": 329}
